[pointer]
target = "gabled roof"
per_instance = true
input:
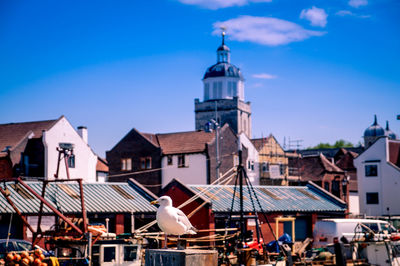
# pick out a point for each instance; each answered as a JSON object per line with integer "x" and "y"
{"x": 13, "y": 133}
{"x": 152, "y": 138}
{"x": 259, "y": 143}
{"x": 99, "y": 198}
{"x": 272, "y": 198}
{"x": 184, "y": 142}
{"x": 328, "y": 165}
{"x": 314, "y": 167}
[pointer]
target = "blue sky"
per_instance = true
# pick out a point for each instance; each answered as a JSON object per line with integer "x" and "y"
{"x": 315, "y": 70}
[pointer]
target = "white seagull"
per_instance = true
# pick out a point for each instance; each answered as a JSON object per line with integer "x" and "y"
{"x": 171, "y": 220}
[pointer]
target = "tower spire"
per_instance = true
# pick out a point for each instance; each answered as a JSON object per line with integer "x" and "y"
{"x": 375, "y": 120}
{"x": 223, "y": 35}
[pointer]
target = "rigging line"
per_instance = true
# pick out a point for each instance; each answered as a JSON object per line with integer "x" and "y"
{"x": 197, "y": 195}
{"x": 158, "y": 185}
{"x": 145, "y": 227}
{"x": 263, "y": 213}
{"x": 205, "y": 202}
{"x": 259, "y": 231}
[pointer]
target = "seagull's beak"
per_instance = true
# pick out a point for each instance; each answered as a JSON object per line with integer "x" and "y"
{"x": 154, "y": 202}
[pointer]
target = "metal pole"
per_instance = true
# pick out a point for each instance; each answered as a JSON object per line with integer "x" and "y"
{"x": 217, "y": 149}
{"x": 216, "y": 125}
{"x": 84, "y": 216}
{"x": 240, "y": 173}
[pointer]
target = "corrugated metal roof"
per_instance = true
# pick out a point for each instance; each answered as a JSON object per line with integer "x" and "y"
{"x": 272, "y": 199}
{"x": 99, "y": 198}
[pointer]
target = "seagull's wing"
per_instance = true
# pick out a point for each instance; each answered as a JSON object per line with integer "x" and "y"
{"x": 183, "y": 219}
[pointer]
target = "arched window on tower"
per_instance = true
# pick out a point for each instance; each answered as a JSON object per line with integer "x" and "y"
{"x": 206, "y": 91}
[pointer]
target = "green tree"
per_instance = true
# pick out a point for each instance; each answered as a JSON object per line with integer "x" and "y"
{"x": 338, "y": 144}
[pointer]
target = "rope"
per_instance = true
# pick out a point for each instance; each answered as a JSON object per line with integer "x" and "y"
{"x": 262, "y": 211}
{"x": 196, "y": 196}
{"x": 254, "y": 208}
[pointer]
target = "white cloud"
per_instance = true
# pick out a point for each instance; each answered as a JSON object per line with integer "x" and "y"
{"x": 343, "y": 13}
{"x": 264, "y": 76}
{"x": 215, "y": 4}
{"x": 358, "y": 3}
{"x": 264, "y": 30}
{"x": 317, "y": 16}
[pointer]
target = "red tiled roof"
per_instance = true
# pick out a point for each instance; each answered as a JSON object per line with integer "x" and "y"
{"x": 184, "y": 142}
{"x": 394, "y": 152}
{"x": 11, "y": 134}
{"x": 101, "y": 165}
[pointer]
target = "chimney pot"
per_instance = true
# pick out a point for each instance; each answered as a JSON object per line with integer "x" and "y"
{"x": 82, "y": 131}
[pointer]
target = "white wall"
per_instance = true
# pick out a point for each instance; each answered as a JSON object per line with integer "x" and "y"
{"x": 194, "y": 173}
{"x": 386, "y": 183}
{"x": 85, "y": 159}
{"x": 354, "y": 204}
{"x": 252, "y": 156}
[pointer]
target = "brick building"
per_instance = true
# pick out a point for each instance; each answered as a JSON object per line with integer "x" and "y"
{"x": 155, "y": 159}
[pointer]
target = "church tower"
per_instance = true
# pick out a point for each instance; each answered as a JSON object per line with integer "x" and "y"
{"x": 223, "y": 100}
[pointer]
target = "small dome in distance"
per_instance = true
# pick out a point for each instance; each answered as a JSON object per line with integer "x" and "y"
{"x": 389, "y": 133}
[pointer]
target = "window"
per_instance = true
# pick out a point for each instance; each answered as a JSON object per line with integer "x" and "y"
{"x": 130, "y": 253}
{"x": 265, "y": 167}
{"x": 109, "y": 254}
{"x": 126, "y": 164}
{"x": 215, "y": 90}
{"x": 371, "y": 170}
{"x": 373, "y": 226}
{"x": 372, "y": 198}
{"x": 206, "y": 91}
{"x": 229, "y": 88}
{"x": 326, "y": 186}
{"x": 336, "y": 188}
{"x": 219, "y": 95}
{"x": 169, "y": 160}
{"x": 145, "y": 163}
{"x": 71, "y": 161}
{"x": 282, "y": 169}
{"x": 181, "y": 160}
{"x": 250, "y": 165}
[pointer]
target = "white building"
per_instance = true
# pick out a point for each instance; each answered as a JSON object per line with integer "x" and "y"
{"x": 38, "y": 155}
{"x": 184, "y": 156}
{"x": 252, "y": 162}
{"x": 378, "y": 174}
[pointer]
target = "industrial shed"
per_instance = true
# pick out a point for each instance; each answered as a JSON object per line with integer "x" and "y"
{"x": 290, "y": 209}
{"x": 126, "y": 205}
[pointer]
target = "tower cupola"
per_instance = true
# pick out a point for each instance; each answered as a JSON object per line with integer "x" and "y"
{"x": 223, "y": 80}
{"x": 223, "y": 52}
